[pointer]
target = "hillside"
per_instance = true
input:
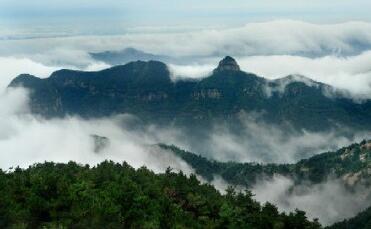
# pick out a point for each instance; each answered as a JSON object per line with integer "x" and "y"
{"x": 113, "y": 195}
{"x": 351, "y": 164}
{"x": 361, "y": 221}
{"x": 146, "y": 90}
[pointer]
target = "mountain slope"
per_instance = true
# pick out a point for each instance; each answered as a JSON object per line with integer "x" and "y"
{"x": 351, "y": 164}
{"x": 146, "y": 90}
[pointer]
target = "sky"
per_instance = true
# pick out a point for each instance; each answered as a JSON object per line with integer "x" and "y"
{"x": 115, "y": 16}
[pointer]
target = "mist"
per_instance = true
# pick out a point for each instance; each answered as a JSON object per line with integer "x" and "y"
{"x": 330, "y": 201}
{"x": 257, "y": 141}
{"x": 26, "y": 139}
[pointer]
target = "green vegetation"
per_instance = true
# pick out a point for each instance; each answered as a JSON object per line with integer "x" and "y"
{"x": 113, "y": 195}
{"x": 344, "y": 163}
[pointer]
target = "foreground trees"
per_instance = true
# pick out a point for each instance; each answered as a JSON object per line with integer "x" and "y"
{"x": 113, "y": 195}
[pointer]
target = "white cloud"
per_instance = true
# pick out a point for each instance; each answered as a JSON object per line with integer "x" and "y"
{"x": 190, "y": 71}
{"x": 283, "y": 37}
{"x": 350, "y": 73}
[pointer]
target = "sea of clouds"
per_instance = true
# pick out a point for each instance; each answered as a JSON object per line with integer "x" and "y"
{"x": 336, "y": 54}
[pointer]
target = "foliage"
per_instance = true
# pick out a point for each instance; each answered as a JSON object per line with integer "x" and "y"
{"x": 112, "y": 195}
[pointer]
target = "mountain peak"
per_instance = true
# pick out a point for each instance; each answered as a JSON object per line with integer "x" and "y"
{"x": 227, "y": 64}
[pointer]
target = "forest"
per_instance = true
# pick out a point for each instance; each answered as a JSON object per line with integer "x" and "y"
{"x": 113, "y": 195}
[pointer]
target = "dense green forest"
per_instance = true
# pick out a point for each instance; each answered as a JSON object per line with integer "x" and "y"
{"x": 343, "y": 163}
{"x": 112, "y": 195}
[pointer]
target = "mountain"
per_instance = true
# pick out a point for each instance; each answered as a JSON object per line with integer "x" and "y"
{"x": 112, "y": 195}
{"x": 146, "y": 90}
{"x": 360, "y": 221}
{"x": 126, "y": 55}
{"x": 351, "y": 164}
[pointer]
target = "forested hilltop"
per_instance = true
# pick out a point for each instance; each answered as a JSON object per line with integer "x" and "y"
{"x": 112, "y": 195}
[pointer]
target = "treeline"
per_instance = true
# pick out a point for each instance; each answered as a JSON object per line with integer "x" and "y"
{"x": 112, "y": 195}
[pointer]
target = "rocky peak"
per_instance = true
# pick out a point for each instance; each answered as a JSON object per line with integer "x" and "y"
{"x": 227, "y": 64}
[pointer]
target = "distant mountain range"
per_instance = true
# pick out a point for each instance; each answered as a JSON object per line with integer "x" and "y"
{"x": 146, "y": 90}
{"x": 127, "y": 55}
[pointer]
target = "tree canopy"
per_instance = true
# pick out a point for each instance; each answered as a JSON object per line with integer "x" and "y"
{"x": 113, "y": 195}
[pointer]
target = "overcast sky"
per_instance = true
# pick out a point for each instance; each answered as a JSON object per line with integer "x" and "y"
{"x": 116, "y": 16}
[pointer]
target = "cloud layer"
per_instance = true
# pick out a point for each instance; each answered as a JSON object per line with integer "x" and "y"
{"x": 282, "y": 37}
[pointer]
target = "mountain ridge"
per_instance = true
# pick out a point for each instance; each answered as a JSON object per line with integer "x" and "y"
{"x": 145, "y": 89}
{"x": 350, "y": 164}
